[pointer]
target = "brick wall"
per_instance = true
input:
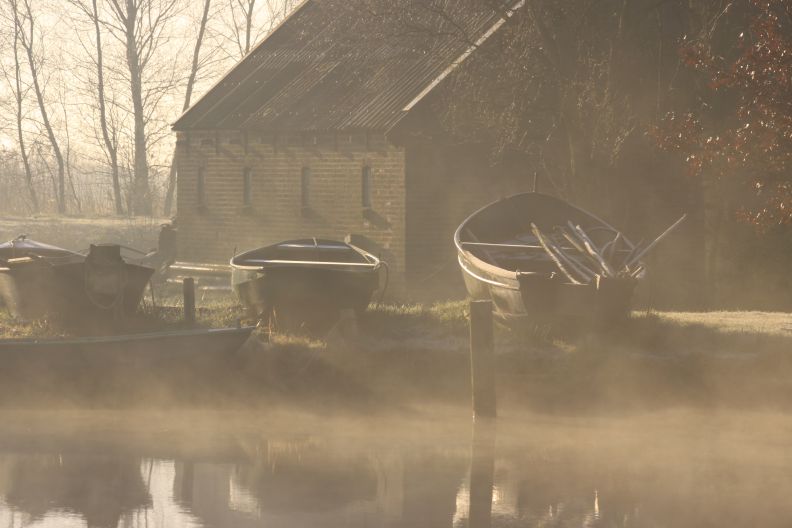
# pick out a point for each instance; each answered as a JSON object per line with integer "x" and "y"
{"x": 212, "y": 231}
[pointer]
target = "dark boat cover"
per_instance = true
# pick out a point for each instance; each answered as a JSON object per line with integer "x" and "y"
{"x": 24, "y": 247}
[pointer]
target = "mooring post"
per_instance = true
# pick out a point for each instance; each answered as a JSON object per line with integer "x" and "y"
{"x": 482, "y": 360}
{"x": 189, "y": 299}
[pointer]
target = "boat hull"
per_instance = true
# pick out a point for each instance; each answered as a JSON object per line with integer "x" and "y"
{"x": 305, "y": 284}
{"x": 114, "y": 369}
{"x": 158, "y": 344}
{"x": 37, "y": 289}
{"x": 303, "y": 296}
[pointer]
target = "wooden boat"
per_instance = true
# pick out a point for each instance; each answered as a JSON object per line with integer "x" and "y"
{"x": 191, "y": 342}
{"x": 22, "y": 247}
{"x": 306, "y": 282}
{"x": 504, "y": 260}
{"x": 38, "y": 280}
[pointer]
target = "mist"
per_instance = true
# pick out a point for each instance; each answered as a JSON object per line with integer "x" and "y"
{"x": 395, "y": 263}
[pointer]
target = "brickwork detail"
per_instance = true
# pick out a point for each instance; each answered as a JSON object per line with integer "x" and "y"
{"x": 224, "y": 224}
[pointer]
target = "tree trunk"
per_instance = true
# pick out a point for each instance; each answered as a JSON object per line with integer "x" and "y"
{"x": 110, "y": 146}
{"x": 715, "y": 213}
{"x": 188, "y": 95}
{"x": 20, "y": 135}
{"x": 141, "y": 193}
{"x": 28, "y": 45}
{"x": 249, "y": 25}
{"x": 69, "y": 175}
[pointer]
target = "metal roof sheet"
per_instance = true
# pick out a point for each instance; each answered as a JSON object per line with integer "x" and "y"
{"x": 322, "y": 71}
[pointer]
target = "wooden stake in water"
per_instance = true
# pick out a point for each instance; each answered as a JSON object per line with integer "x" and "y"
{"x": 482, "y": 360}
{"x": 189, "y": 299}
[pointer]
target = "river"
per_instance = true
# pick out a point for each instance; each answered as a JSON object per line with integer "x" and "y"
{"x": 432, "y": 468}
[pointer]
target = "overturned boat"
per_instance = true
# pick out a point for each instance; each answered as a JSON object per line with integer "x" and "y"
{"x": 306, "y": 282}
{"x": 188, "y": 343}
{"x": 22, "y": 247}
{"x": 536, "y": 256}
{"x": 38, "y": 280}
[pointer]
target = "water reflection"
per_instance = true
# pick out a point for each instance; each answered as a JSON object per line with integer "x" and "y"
{"x": 570, "y": 478}
{"x": 100, "y": 489}
{"x": 482, "y": 474}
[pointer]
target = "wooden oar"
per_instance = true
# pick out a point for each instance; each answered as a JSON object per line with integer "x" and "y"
{"x": 553, "y": 256}
{"x": 651, "y": 246}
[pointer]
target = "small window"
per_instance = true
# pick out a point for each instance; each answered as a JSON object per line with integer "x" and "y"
{"x": 365, "y": 182}
{"x": 305, "y": 188}
{"x": 200, "y": 187}
{"x": 247, "y": 187}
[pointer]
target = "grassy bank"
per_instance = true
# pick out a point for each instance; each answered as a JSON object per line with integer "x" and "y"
{"x": 78, "y": 233}
{"x": 418, "y": 355}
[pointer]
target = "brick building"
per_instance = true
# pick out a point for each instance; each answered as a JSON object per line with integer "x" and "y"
{"x": 324, "y": 131}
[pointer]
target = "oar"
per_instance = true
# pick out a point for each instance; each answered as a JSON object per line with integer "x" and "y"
{"x": 648, "y": 248}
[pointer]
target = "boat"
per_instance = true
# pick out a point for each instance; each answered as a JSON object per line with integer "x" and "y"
{"x": 22, "y": 246}
{"x": 38, "y": 280}
{"x": 540, "y": 258}
{"x": 305, "y": 283}
{"x": 191, "y": 342}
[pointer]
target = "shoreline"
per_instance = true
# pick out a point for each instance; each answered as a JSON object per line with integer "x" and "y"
{"x": 416, "y": 356}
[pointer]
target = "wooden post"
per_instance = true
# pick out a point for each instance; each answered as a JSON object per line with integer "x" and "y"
{"x": 189, "y": 299}
{"x": 482, "y": 361}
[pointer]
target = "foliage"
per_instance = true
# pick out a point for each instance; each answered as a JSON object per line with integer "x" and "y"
{"x": 741, "y": 127}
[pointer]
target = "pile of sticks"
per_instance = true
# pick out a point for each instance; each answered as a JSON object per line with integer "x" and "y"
{"x": 582, "y": 261}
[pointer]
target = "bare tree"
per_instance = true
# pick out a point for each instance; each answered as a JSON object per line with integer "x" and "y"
{"x": 25, "y": 20}
{"x": 139, "y": 25}
{"x": 187, "y": 97}
{"x": 251, "y": 20}
{"x": 242, "y": 27}
{"x": 76, "y": 198}
{"x": 18, "y": 99}
{"x": 109, "y": 139}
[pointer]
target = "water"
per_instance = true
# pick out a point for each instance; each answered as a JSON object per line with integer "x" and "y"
{"x": 238, "y": 470}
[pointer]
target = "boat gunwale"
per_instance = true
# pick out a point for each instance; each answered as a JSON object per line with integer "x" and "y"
{"x": 125, "y": 338}
{"x": 373, "y": 262}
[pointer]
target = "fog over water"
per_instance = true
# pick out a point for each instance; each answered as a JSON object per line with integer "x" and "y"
{"x": 194, "y": 469}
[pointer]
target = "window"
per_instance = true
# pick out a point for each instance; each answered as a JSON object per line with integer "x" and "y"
{"x": 247, "y": 187}
{"x": 365, "y": 183}
{"x": 200, "y": 187}
{"x": 305, "y": 188}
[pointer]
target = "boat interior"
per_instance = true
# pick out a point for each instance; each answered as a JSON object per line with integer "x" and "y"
{"x": 500, "y": 234}
{"x": 308, "y": 250}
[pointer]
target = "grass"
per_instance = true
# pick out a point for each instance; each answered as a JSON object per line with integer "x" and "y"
{"x": 747, "y": 322}
{"x": 217, "y": 311}
{"x": 11, "y": 328}
{"x": 78, "y": 233}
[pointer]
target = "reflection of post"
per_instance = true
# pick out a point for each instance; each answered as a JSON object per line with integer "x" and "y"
{"x": 482, "y": 470}
{"x": 188, "y": 482}
{"x": 184, "y": 482}
{"x": 482, "y": 361}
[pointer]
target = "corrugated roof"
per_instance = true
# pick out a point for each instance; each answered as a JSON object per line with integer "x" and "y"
{"x": 323, "y": 70}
